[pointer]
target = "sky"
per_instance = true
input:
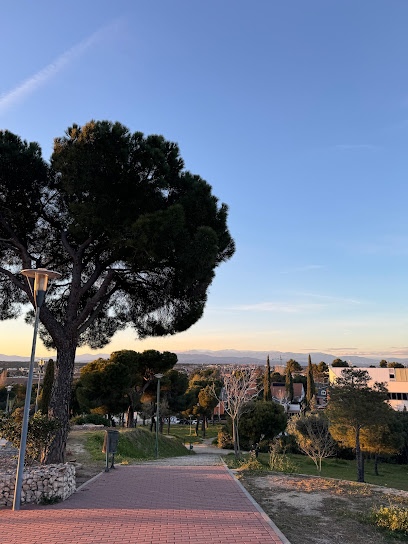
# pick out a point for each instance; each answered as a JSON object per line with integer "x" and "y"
{"x": 295, "y": 112}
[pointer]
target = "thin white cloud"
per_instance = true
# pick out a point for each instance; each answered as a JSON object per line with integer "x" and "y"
{"x": 330, "y": 298}
{"x": 280, "y": 307}
{"x": 30, "y": 85}
{"x": 340, "y": 349}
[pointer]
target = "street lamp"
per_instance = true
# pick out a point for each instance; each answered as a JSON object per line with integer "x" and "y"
{"x": 9, "y": 388}
{"x": 40, "y": 276}
{"x": 40, "y": 364}
{"x": 158, "y": 376}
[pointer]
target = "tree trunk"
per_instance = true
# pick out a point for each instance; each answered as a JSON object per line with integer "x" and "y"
{"x": 130, "y": 416}
{"x": 203, "y": 426}
{"x": 161, "y": 423}
{"x": 60, "y": 401}
{"x": 234, "y": 436}
{"x": 197, "y": 424}
{"x": 237, "y": 436}
{"x": 168, "y": 425}
{"x": 376, "y": 464}
{"x": 359, "y": 458}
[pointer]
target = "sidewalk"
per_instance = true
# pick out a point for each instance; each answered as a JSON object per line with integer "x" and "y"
{"x": 145, "y": 504}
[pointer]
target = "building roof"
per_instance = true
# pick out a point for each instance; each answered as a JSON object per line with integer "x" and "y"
{"x": 279, "y": 391}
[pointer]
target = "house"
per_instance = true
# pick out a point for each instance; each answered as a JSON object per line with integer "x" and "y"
{"x": 321, "y": 395}
{"x": 278, "y": 391}
{"x": 280, "y": 396}
{"x": 394, "y": 379}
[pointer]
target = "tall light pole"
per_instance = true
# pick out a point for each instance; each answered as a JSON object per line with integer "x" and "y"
{"x": 9, "y": 388}
{"x": 40, "y": 276}
{"x": 40, "y": 364}
{"x": 158, "y": 376}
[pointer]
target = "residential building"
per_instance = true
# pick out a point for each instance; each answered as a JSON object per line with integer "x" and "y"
{"x": 280, "y": 396}
{"x": 394, "y": 379}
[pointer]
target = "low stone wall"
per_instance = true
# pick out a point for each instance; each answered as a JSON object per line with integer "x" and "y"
{"x": 47, "y": 482}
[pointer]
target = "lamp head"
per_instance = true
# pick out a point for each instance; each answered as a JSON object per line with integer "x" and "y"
{"x": 158, "y": 376}
{"x": 9, "y": 388}
{"x": 40, "y": 276}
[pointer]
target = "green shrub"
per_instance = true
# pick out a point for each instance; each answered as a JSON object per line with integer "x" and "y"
{"x": 41, "y": 432}
{"x": 96, "y": 419}
{"x": 261, "y": 421}
{"x": 280, "y": 462}
{"x": 393, "y": 518}
{"x": 252, "y": 464}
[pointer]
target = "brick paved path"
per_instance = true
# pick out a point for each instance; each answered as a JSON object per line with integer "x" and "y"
{"x": 145, "y": 505}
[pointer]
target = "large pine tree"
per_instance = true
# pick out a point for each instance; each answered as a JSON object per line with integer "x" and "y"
{"x": 267, "y": 382}
{"x": 136, "y": 237}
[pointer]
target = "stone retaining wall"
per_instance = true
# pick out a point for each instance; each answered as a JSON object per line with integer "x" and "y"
{"x": 39, "y": 483}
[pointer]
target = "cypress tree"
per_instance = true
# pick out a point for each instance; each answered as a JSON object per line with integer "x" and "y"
{"x": 267, "y": 382}
{"x": 45, "y": 396}
{"x": 310, "y": 392}
{"x": 289, "y": 384}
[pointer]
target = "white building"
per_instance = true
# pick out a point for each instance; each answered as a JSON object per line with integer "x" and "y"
{"x": 394, "y": 379}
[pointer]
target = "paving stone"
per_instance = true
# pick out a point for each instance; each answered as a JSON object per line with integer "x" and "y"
{"x": 162, "y": 502}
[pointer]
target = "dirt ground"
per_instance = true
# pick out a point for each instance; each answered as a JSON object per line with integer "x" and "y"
{"x": 85, "y": 467}
{"x": 311, "y": 510}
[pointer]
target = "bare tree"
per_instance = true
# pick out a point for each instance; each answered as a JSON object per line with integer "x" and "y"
{"x": 240, "y": 386}
{"x": 313, "y": 437}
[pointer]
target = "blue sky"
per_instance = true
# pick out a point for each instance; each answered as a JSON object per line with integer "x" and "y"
{"x": 295, "y": 112}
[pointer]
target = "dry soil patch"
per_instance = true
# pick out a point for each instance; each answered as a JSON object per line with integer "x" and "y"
{"x": 321, "y": 511}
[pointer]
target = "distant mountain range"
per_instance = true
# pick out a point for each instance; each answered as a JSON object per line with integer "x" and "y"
{"x": 232, "y": 356}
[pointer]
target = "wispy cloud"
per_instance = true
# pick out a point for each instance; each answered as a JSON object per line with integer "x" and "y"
{"x": 340, "y": 349}
{"x": 280, "y": 307}
{"x": 30, "y": 85}
{"x": 298, "y": 303}
{"x": 330, "y": 298}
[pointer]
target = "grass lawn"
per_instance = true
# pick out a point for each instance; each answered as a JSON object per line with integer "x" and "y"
{"x": 135, "y": 444}
{"x": 183, "y": 432}
{"x": 390, "y": 475}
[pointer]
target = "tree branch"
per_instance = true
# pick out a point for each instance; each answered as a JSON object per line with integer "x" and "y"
{"x": 93, "y": 301}
{"x": 16, "y": 282}
{"x": 67, "y": 246}
{"x": 91, "y": 318}
{"x": 25, "y": 256}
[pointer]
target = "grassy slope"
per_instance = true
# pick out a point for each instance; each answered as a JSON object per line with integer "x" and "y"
{"x": 395, "y": 476}
{"x": 135, "y": 444}
{"x": 183, "y": 432}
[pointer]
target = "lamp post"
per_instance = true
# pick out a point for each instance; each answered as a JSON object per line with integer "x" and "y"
{"x": 158, "y": 376}
{"x": 9, "y": 388}
{"x": 40, "y": 276}
{"x": 40, "y": 364}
